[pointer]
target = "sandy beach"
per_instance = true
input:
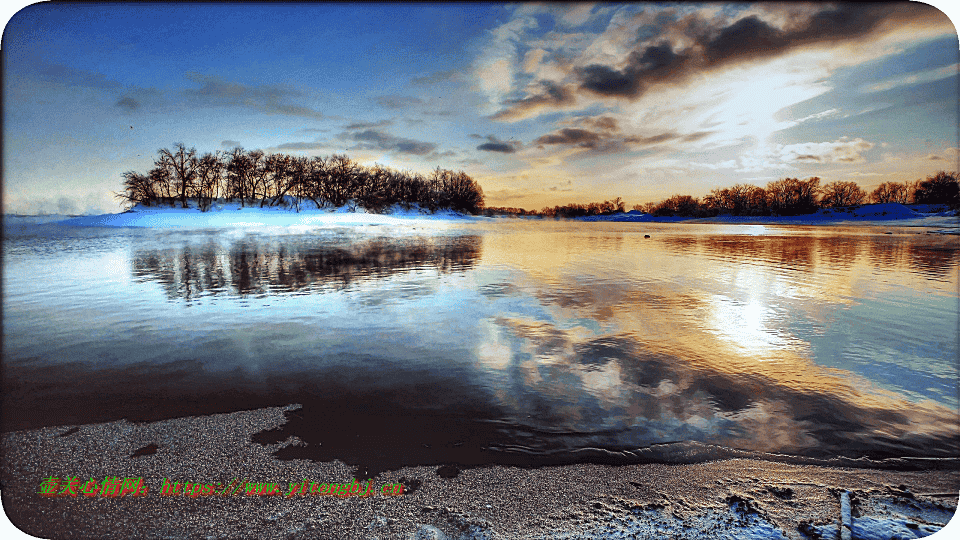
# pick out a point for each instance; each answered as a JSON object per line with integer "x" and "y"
{"x": 735, "y": 498}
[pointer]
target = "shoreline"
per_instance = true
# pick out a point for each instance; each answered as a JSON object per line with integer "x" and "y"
{"x": 225, "y": 215}
{"x": 745, "y": 498}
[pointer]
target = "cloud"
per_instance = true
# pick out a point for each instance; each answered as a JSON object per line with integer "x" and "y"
{"x": 657, "y": 47}
{"x": 782, "y": 157}
{"x": 818, "y": 116}
{"x": 368, "y": 125}
{"x": 842, "y": 150}
{"x": 496, "y": 145}
{"x": 550, "y": 95}
{"x": 230, "y": 144}
{"x": 371, "y": 139}
{"x": 270, "y": 99}
{"x": 571, "y": 136}
{"x": 494, "y": 70}
{"x": 70, "y": 76}
{"x": 136, "y": 98}
{"x": 925, "y": 76}
{"x": 301, "y": 146}
{"x": 603, "y": 123}
{"x": 562, "y": 186}
{"x": 607, "y": 141}
{"x": 128, "y": 103}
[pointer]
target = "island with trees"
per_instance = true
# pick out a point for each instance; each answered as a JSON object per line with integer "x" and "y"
{"x": 256, "y": 179}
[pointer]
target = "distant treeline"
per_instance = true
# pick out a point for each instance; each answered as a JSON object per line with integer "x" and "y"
{"x": 255, "y": 178}
{"x": 789, "y": 196}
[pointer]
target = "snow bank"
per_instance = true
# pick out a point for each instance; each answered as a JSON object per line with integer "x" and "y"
{"x": 224, "y": 214}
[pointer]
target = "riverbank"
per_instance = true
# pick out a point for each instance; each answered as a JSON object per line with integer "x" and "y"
{"x": 231, "y": 214}
{"x": 889, "y": 214}
{"x": 738, "y": 498}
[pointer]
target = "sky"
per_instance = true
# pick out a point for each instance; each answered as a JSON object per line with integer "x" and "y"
{"x": 542, "y": 104}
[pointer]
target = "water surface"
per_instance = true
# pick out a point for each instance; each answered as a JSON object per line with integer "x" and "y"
{"x": 518, "y": 342}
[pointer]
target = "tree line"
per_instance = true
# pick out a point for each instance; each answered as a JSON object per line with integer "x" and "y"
{"x": 792, "y": 196}
{"x": 255, "y": 178}
{"x": 788, "y": 196}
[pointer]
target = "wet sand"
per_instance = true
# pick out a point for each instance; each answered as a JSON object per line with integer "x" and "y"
{"x": 736, "y": 498}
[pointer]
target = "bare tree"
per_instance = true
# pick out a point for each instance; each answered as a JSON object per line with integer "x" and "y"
{"x": 180, "y": 164}
{"x": 941, "y": 188}
{"x": 209, "y": 169}
{"x": 891, "y": 192}
{"x": 842, "y": 194}
{"x": 793, "y": 196}
{"x": 238, "y": 173}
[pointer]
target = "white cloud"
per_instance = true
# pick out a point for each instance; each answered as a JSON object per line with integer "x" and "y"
{"x": 929, "y": 75}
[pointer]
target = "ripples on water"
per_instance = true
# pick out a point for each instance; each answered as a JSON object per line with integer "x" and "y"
{"x": 508, "y": 342}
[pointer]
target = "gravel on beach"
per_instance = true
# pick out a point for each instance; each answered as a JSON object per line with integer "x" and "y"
{"x": 736, "y": 498}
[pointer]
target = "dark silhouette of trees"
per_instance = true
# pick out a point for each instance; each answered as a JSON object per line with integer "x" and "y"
{"x": 580, "y": 210}
{"x": 791, "y": 196}
{"x": 891, "y": 192}
{"x": 837, "y": 194}
{"x": 282, "y": 180}
{"x": 940, "y": 188}
{"x": 740, "y": 200}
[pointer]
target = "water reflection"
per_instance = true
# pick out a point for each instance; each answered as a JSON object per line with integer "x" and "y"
{"x": 555, "y": 342}
{"x": 300, "y": 265}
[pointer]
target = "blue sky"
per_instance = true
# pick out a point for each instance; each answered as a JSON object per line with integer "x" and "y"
{"x": 542, "y": 104}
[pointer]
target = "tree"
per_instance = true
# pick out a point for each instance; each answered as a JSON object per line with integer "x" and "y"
{"x": 138, "y": 188}
{"x": 239, "y": 169}
{"x": 791, "y": 196}
{"x": 891, "y": 192}
{"x": 180, "y": 166}
{"x": 209, "y": 171}
{"x": 838, "y": 193}
{"x": 678, "y": 205}
{"x": 941, "y": 188}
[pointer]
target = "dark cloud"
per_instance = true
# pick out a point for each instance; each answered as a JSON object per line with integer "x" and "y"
{"x": 368, "y": 125}
{"x": 230, "y": 144}
{"x": 494, "y": 144}
{"x": 571, "y": 136}
{"x": 269, "y": 99}
{"x": 808, "y": 157}
{"x": 603, "y": 123}
{"x": 606, "y": 141}
{"x": 652, "y": 139}
{"x": 696, "y": 136}
{"x": 747, "y": 39}
{"x": 550, "y": 95}
{"x": 371, "y": 139}
{"x": 128, "y": 103}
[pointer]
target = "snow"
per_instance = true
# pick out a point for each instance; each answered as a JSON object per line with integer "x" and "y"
{"x": 224, "y": 214}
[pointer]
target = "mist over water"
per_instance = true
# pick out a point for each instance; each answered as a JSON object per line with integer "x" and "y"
{"x": 508, "y": 342}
